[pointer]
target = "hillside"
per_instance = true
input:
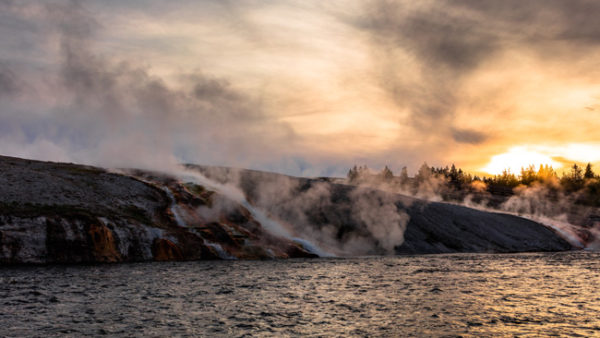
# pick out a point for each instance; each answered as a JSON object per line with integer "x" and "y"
{"x": 350, "y": 218}
{"x": 67, "y": 213}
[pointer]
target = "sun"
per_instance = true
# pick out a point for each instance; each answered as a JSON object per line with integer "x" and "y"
{"x": 516, "y": 158}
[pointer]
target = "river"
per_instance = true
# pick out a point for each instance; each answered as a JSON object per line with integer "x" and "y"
{"x": 427, "y": 295}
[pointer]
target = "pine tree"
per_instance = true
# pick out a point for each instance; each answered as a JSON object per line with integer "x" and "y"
{"x": 387, "y": 174}
{"x": 588, "y": 172}
{"x": 576, "y": 174}
{"x": 528, "y": 175}
{"x": 573, "y": 181}
{"x": 353, "y": 174}
{"x": 453, "y": 174}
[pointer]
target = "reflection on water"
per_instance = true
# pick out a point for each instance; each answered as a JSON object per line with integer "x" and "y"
{"x": 466, "y": 294}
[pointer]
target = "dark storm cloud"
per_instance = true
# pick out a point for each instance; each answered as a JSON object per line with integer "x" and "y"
{"x": 95, "y": 80}
{"x": 451, "y": 40}
{"x": 460, "y": 34}
{"x": 468, "y": 136}
{"x": 113, "y": 112}
{"x": 573, "y": 21}
{"x": 445, "y": 47}
{"x": 210, "y": 81}
{"x": 213, "y": 89}
{"x": 8, "y": 81}
{"x": 442, "y": 41}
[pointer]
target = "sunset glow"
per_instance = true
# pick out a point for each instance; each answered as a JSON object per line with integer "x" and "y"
{"x": 517, "y": 158}
{"x": 304, "y": 88}
{"x": 560, "y": 157}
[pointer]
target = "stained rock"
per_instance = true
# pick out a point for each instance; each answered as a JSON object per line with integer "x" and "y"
{"x": 165, "y": 250}
{"x": 103, "y": 244}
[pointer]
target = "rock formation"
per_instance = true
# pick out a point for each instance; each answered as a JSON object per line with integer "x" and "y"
{"x": 66, "y": 213}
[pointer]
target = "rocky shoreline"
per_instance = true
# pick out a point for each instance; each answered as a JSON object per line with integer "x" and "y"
{"x": 66, "y": 213}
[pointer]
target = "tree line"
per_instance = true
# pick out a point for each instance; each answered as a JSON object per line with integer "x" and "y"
{"x": 577, "y": 179}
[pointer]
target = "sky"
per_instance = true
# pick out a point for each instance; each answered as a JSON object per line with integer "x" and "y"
{"x": 302, "y": 87}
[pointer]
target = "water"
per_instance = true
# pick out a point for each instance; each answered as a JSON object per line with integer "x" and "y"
{"x": 431, "y": 295}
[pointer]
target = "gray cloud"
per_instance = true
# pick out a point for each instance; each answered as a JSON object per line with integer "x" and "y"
{"x": 468, "y": 136}
{"x": 451, "y": 40}
{"x": 8, "y": 81}
{"x": 113, "y": 113}
{"x": 75, "y": 87}
{"x": 446, "y": 48}
{"x": 445, "y": 42}
{"x": 568, "y": 21}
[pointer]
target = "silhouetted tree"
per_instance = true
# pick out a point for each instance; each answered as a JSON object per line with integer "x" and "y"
{"x": 453, "y": 175}
{"x": 387, "y": 174}
{"x": 506, "y": 179}
{"x": 528, "y": 175}
{"x": 576, "y": 173}
{"x": 352, "y": 174}
{"x": 573, "y": 180}
{"x": 450, "y": 180}
{"x": 588, "y": 172}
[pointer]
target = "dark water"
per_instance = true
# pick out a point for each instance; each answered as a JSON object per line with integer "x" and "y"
{"x": 530, "y": 294}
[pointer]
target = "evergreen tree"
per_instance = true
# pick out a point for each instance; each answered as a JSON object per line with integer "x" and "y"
{"x": 352, "y": 174}
{"x": 528, "y": 175}
{"x": 576, "y": 173}
{"x": 573, "y": 180}
{"x": 387, "y": 174}
{"x": 588, "y": 172}
{"x": 453, "y": 174}
{"x": 507, "y": 179}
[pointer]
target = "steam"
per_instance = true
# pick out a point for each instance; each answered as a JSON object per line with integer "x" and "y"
{"x": 549, "y": 206}
{"x": 271, "y": 225}
{"x": 535, "y": 201}
{"x": 180, "y": 219}
{"x": 117, "y": 113}
{"x": 381, "y": 216}
{"x": 544, "y": 202}
{"x": 339, "y": 219}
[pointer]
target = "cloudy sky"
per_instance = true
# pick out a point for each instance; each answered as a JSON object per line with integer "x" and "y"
{"x": 301, "y": 87}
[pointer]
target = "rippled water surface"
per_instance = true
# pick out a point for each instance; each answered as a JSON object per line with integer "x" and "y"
{"x": 535, "y": 294}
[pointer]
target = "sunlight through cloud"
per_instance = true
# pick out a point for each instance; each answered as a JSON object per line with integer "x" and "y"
{"x": 517, "y": 158}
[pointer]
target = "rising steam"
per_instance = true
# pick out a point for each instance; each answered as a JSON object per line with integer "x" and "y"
{"x": 338, "y": 219}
